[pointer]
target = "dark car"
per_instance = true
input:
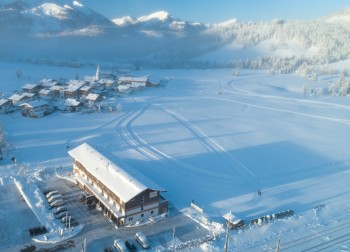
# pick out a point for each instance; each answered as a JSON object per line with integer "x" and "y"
{"x": 130, "y": 245}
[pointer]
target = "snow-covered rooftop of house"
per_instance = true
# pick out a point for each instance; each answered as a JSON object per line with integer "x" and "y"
{"x": 106, "y": 81}
{"x": 16, "y": 97}
{"x": 85, "y": 88}
{"x": 138, "y": 84}
{"x": 71, "y": 102}
{"x": 3, "y": 101}
{"x": 114, "y": 177}
{"x": 133, "y": 79}
{"x": 92, "y": 97}
{"x": 57, "y": 88}
{"x": 74, "y": 87}
{"x": 29, "y": 95}
{"x": 29, "y": 86}
{"x": 44, "y": 91}
{"x": 35, "y": 104}
{"x": 124, "y": 87}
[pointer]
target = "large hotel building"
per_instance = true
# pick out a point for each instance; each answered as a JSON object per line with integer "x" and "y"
{"x": 122, "y": 197}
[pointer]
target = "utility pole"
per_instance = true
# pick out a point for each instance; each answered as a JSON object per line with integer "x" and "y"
{"x": 173, "y": 238}
{"x": 227, "y": 233}
{"x": 278, "y": 245}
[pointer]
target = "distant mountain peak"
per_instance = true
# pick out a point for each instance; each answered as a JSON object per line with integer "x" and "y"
{"x": 50, "y": 9}
{"x": 123, "y": 21}
{"x": 162, "y": 16}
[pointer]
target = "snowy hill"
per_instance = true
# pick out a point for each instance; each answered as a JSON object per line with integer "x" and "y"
{"x": 67, "y": 29}
{"x": 49, "y": 19}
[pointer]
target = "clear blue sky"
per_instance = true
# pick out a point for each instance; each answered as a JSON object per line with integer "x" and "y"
{"x": 213, "y": 11}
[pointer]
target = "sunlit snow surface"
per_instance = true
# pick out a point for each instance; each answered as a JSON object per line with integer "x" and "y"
{"x": 214, "y": 138}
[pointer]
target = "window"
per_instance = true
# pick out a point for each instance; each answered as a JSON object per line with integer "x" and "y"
{"x": 143, "y": 199}
{"x": 152, "y": 212}
{"x": 142, "y": 215}
{"x": 153, "y": 194}
{"x": 141, "y": 207}
{"x": 131, "y": 218}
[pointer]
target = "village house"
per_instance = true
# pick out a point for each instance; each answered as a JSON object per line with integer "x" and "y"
{"x": 92, "y": 98}
{"x": 31, "y": 88}
{"x": 35, "y": 109}
{"x": 108, "y": 83}
{"x": 123, "y": 80}
{"x": 123, "y": 198}
{"x": 45, "y": 94}
{"x": 72, "y": 105}
{"x": 85, "y": 90}
{"x": 71, "y": 91}
{"x": 20, "y": 98}
{"x": 6, "y": 106}
{"x": 57, "y": 91}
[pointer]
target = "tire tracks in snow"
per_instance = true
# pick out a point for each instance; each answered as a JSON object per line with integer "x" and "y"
{"x": 216, "y": 148}
{"x": 130, "y": 137}
{"x": 231, "y": 86}
{"x": 332, "y": 119}
{"x": 125, "y": 127}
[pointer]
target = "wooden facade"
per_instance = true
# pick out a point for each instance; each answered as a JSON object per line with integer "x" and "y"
{"x": 121, "y": 202}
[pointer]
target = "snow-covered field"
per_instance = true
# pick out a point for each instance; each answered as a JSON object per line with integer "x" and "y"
{"x": 213, "y": 138}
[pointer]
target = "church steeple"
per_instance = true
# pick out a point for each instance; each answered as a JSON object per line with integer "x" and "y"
{"x": 97, "y": 75}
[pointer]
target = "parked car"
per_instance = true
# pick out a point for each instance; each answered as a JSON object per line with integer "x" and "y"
{"x": 119, "y": 245}
{"x": 57, "y": 203}
{"x": 52, "y": 193}
{"x": 54, "y": 197}
{"x": 142, "y": 239}
{"x": 60, "y": 209}
{"x": 37, "y": 231}
{"x": 46, "y": 192}
{"x": 130, "y": 245}
{"x": 61, "y": 215}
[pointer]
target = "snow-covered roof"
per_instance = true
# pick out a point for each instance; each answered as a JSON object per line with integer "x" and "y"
{"x": 71, "y": 102}
{"x": 3, "y": 101}
{"x": 124, "y": 87}
{"x": 57, "y": 88}
{"x": 29, "y": 86}
{"x": 133, "y": 79}
{"x": 106, "y": 81}
{"x": 35, "y": 104}
{"x": 138, "y": 84}
{"x": 29, "y": 95}
{"x": 85, "y": 88}
{"x": 73, "y": 87}
{"x": 124, "y": 185}
{"x": 92, "y": 97}
{"x": 16, "y": 97}
{"x": 44, "y": 91}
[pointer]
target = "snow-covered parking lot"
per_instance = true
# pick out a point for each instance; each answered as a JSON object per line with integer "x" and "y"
{"x": 17, "y": 218}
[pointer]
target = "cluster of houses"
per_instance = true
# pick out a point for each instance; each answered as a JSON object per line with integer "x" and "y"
{"x": 38, "y": 100}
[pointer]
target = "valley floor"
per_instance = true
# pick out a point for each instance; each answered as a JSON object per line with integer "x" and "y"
{"x": 217, "y": 139}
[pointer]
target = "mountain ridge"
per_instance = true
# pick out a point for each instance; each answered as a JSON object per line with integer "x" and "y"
{"x": 36, "y": 28}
